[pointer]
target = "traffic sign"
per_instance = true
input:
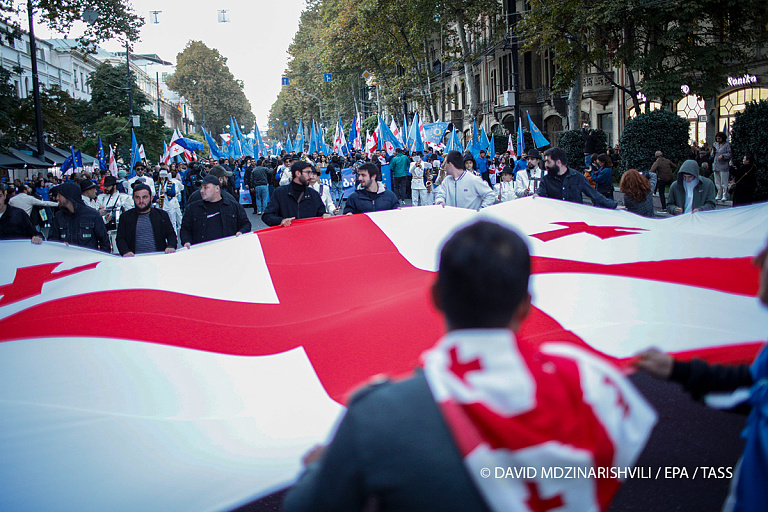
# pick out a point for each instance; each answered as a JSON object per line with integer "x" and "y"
{"x": 285, "y": 80}
{"x": 328, "y": 77}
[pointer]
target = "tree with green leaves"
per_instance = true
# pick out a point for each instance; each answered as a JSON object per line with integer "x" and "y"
{"x": 60, "y": 120}
{"x": 463, "y": 17}
{"x": 9, "y": 103}
{"x": 107, "y": 18}
{"x": 109, "y": 110}
{"x": 662, "y": 45}
{"x": 203, "y": 77}
{"x": 647, "y": 133}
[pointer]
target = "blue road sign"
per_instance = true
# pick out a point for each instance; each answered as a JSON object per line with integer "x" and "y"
{"x": 328, "y": 77}
{"x": 285, "y": 80}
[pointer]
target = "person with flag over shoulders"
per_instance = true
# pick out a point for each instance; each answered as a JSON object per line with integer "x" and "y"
{"x": 482, "y": 403}
{"x": 144, "y": 229}
{"x": 215, "y": 216}
{"x": 371, "y": 195}
{"x": 75, "y": 223}
{"x": 742, "y": 388}
{"x": 296, "y": 200}
{"x": 461, "y": 188}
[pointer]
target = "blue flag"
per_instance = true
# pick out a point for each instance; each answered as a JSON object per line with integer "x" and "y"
{"x": 350, "y": 145}
{"x": 135, "y": 158}
{"x": 102, "y": 158}
{"x": 406, "y": 136}
{"x": 313, "y": 146}
{"x": 484, "y": 143}
{"x": 262, "y": 149}
{"x": 413, "y": 132}
{"x": 520, "y": 138}
{"x": 474, "y": 145}
{"x": 417, "y": 144}
{"x": 538, "y": 139}
{"x": 69, "y": 163}
{"x": 454, "y": 142}
{"x": 288, "y": 144}
{"x": 299, "y": 144}
{"x": 435, "y": 132}
{"x": 492, "y": 147}
{"x": 78, "y": 160}
{"x": 213, "y": 148}
{"x": 236, "y": 150}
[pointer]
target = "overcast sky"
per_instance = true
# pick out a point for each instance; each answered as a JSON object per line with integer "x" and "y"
{"x": 255, "y": 41}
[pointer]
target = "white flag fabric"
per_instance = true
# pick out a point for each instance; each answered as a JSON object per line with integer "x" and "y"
{"x": 142, "y": 384}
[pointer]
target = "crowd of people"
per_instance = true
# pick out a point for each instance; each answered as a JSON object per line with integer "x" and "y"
{"x": 290, "y": 186}
{"x": 168, "y": 206}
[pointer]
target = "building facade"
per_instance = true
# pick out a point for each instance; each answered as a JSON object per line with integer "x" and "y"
{"x": 510, "y": 81}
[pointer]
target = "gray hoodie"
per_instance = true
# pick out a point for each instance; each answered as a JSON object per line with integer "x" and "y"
{"x": 703, "y": 192}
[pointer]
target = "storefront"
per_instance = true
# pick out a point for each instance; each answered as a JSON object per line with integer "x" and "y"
{"x": 741, "y": 91}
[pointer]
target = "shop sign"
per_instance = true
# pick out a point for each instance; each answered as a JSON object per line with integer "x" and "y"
{"x": 742, "y": 80}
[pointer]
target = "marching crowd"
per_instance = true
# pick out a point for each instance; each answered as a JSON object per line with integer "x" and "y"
{"x": 182, "y": 204}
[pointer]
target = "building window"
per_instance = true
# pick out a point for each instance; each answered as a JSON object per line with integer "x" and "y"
{"x": 528, "y": 70}
{"x": 494, "y": 91}
{"x": 631, "y": 114}
{"x": 605, "y": 123}
{"x": 692, "y": 108}
{"x": 503, "y": 72}
{"x": 733, "y": 102}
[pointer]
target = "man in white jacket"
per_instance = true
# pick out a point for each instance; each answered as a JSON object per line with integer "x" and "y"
{"x": 24, "y": 200}
{"x": 324, "y": 191}
{"x": 461, "y": 188}
{"x": 419, "y": 196}
{"x": 527, "y": 180}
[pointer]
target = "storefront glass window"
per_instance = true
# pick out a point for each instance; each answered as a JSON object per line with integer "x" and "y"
{"x": 733, "y": 102}
{"x": 692, "y": 108}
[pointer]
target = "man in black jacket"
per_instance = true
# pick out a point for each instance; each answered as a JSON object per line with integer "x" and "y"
{"x": 77, "y": 224}
{"x": 216, "y": 216}
{"x": 563, "y": 183}
{"x": 15, "y": 224}
{"x": 295, "y": 200}
{"x": 371, "y": 195}
{"x": 145, "y": 229}
{"x": 223, "y": 175}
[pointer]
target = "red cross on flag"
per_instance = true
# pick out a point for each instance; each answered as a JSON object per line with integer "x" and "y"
{"x": 147, "y": 383}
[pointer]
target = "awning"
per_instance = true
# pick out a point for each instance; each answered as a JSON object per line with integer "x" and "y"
{"x": 31, "y": 161}
{"x": 10, "y": 162}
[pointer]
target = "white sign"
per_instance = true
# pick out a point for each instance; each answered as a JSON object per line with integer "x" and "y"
{"x": 744, "y": 80}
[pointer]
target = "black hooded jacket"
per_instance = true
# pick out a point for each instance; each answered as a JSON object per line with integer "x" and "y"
{"x": 84, "y": 227}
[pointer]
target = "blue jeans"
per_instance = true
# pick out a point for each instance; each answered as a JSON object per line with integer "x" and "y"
{"x": 337, "y": 191}
{"x": 259, "y": 199}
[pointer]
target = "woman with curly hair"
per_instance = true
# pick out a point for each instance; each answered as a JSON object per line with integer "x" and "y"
{"x": 638, "y": 193}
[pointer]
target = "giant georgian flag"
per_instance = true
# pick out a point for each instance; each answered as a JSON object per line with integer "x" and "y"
{"x": 197, "y": 380}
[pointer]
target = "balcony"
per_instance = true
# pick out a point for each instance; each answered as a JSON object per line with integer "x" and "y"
{"x": 598, "y": 87}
